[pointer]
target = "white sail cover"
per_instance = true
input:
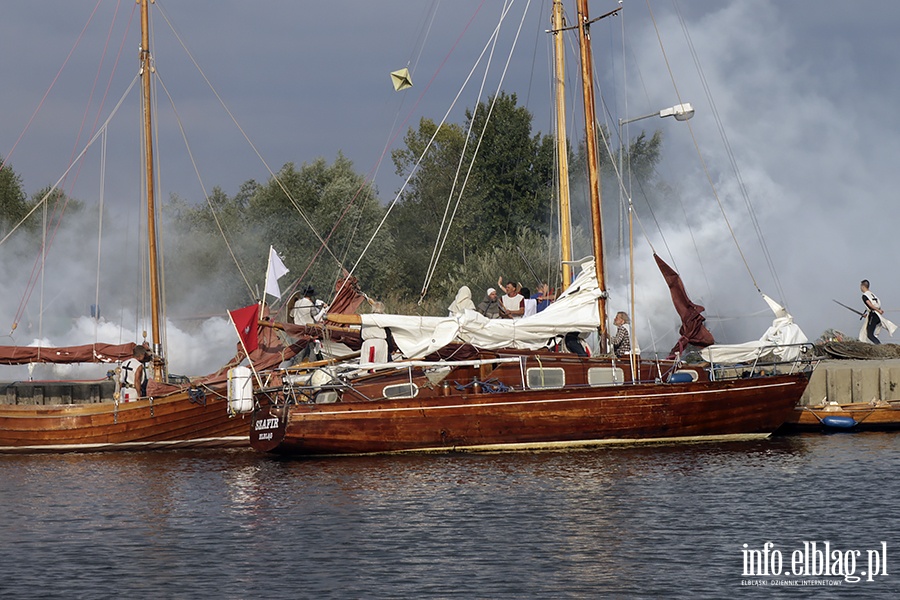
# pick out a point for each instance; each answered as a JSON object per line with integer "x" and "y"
{"x": 576, "y": 309}
{"x": 780, "y": 342}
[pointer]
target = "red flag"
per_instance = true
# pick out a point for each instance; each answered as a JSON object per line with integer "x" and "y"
{"x": 245, "y": 321}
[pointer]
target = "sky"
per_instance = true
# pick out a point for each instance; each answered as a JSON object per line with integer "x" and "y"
{"x": 805, "y": 92}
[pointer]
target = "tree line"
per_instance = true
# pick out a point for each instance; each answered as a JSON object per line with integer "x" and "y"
{"x": 495, "y": 177}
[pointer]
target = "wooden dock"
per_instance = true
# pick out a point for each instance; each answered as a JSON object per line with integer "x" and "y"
{"x": 866, "y": 391}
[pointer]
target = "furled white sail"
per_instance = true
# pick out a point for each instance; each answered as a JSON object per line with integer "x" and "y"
{"x": 780, "y": 342}
{"x": 576, "y": 309}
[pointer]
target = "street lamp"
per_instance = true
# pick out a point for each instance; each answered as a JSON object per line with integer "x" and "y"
{"x": 681, "y": 112}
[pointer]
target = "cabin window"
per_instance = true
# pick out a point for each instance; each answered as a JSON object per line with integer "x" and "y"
{"x": 540, "y": 378}
{"x": 606, "y": 376}
{"x": 401, "y": 390}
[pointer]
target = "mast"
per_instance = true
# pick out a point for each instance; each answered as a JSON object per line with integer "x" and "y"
{"x": 159, "y": 369}
{"x": 587, "y": 85}
{"x": 562, "y": 156}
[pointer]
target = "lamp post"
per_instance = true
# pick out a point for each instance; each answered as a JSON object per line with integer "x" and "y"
{"x": 681, "y": 112}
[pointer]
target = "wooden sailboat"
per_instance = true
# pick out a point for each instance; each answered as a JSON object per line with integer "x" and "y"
{"x": 508, "y": 395}
{"x": 90, "y": 418}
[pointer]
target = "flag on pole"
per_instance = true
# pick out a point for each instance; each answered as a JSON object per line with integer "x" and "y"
{"x": 245, "y": 322}
{"x": 275, "y": 271}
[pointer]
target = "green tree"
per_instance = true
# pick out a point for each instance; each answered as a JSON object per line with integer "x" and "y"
{"x": 418, "y": 217}
{"x": 293, "y": 212}
{"x": 323, "y": 203}
{"x": 13, "y": 206}
{"x": 507, "y": 189}
{"x": 513, "y": 170}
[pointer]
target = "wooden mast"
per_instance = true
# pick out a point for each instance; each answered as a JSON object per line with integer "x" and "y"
{"x": 587, "y": 85}
{"x": 565, "y": 215}
{"x": 159, "y": 373}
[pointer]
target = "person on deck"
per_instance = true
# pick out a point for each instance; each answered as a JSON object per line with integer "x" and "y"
{"x": 490, "y": 306}
{"x": 305, "y": 310}
{"x": 134, "y": 375}
{"x": 530, "y": 303}
{"x": 513, "y": 301}
{"x": 462, "y": 302}
{"x": 873, "y": 315}
{"x": 543, "y": 296}
{"x": 622, "y": 341}
{"x": 574, "y": 344}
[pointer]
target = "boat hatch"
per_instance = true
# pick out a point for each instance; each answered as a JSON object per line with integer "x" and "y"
{"x": 543, "y": 378}
{"x": 605, "y": 376}
{"x": 401, "y": 390}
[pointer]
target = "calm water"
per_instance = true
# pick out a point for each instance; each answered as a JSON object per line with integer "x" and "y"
{"x": 655, "y": 522}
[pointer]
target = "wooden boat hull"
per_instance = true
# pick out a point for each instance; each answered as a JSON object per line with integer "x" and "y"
{"x": 173, "y": 421}
{"x": 868, "y": 417}
{"x": 531, "y": 419}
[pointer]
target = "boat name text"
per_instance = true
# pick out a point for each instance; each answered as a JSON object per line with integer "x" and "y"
{"x": 270, "y": 423}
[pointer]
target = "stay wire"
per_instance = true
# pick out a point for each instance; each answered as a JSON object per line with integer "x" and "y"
{"x": 274, "y": 176}
{"x": 444, "y": 229}
{"x": 729, "y": 152}
{"x": 700, "y": 155}
{"x": 424, "y": 152}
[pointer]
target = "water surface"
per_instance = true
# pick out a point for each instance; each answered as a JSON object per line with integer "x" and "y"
{"x": 652, "y": 521}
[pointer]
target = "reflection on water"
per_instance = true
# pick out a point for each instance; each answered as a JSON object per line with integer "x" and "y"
{"x": 650, "y": 521}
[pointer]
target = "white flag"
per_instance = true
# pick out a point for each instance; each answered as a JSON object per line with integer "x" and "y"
{"x": 275, "y": 271}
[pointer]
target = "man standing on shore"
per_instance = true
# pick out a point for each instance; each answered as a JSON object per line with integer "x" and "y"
{"x": 874, "y": 316}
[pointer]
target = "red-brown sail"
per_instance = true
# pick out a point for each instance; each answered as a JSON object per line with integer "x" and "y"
{"x": 86, "y": 353}
{"x": 692, "y": 329}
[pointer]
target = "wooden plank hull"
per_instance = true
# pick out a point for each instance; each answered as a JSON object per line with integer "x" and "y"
{"x": 531, "y": 419}
{"x": 173, "y": 421}
{"x": 868, "y": 416}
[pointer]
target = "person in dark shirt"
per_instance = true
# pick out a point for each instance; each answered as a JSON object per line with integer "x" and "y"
{"x": 491, "y": 306}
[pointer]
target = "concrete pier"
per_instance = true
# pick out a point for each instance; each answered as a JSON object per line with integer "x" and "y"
{"x": 853, "y": 381}
{"x": 56, "y": 392}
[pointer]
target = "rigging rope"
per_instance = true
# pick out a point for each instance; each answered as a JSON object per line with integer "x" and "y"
{"x": 388, "y": 145}
{"x": 729, "y": 152}
{"x": 444, "y": 228}
{"x": 480, "y": 140}
{"x": 100, "y": 233}
{"x": 52, "y": 84}
{"x": 53, "y": 188}
{"x": 700, "y": 155}
{"x": 430, "y": 141}
{"x": 275, "y": 177}
{"x": 58, "y": 211}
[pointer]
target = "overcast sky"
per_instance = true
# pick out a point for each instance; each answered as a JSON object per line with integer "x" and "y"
{"x": 806, "y": 92}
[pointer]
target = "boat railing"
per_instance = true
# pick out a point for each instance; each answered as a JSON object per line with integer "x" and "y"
{"x": 766, "y": 361}
{"x": 299, "y": 387}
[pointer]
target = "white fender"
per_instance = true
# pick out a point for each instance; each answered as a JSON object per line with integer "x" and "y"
{"x": 240, "y": 391}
